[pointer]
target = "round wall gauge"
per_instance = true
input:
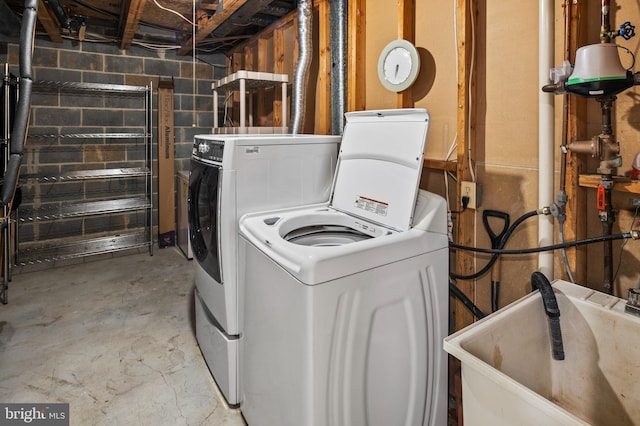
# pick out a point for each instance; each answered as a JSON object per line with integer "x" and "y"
{"x": 398, "y": 65}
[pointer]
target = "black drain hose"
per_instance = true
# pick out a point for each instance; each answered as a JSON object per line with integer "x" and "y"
{"x": 453, "y": 288}
{"x": 503, "y": 240}
{"x": 540, "y": 282}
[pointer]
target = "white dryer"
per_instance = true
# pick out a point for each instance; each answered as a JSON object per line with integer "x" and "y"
{"x": 232, "y": 175}
{"x": 346, "y": 302}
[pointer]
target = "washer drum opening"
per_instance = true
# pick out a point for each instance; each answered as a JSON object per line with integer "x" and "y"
{"x": 325, "y": 236}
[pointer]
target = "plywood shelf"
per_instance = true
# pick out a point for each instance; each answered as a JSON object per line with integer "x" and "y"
{"x": 620, "y": 184}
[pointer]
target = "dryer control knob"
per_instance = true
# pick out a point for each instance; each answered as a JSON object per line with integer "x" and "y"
{"x": 203, "y": 148}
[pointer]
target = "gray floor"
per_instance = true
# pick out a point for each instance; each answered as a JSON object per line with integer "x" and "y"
{"x": 113, "y": 338}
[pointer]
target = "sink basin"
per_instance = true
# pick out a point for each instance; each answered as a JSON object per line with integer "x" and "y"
{"x": 509, "y": 376}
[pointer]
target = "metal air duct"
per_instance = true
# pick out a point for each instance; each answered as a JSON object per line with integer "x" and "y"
{"x": 301, "y": 74}
{"x": 338, "y": 11}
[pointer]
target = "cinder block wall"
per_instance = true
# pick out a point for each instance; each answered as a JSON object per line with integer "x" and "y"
{"x": 66, "y": 112}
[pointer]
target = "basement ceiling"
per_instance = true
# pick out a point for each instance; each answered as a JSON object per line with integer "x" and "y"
{"x": 154, "y": 24}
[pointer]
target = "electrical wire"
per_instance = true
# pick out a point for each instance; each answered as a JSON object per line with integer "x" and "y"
{"x": 226, "y": 106}
{"x": 470, "y": 100}
{"x": 98, "y": 38}
{"x": 176, "y": 13}
{"x": 116, "y": 16}
{"x": 633, "y": 57}
{"x": 634, "y": 234}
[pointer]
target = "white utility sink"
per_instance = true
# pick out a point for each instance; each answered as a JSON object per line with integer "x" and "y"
{"x": 510, "y": 378}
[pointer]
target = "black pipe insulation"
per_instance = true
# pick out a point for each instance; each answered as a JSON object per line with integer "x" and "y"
{"x": 633, "y": 234}
{"x": 21, "y": 119}
{"x": 541, "y": 283}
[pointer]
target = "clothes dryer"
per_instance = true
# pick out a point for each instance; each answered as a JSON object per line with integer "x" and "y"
{"x": 232, "y": 175}
{"x": 346, "y": 302}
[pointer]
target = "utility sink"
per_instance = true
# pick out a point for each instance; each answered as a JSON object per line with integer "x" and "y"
{"x": 510, "y": 378}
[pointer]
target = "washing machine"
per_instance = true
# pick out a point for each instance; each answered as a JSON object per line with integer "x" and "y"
{"x": 346, "y": 302}
{"x": 230, "y": 176}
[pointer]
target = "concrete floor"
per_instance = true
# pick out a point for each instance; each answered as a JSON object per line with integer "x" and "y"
{"x": 114, "y": 338}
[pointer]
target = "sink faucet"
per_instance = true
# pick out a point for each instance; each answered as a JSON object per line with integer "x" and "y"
{"x": 633, "y": 302}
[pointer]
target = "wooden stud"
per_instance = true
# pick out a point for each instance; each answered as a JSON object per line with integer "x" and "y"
{"x": 406, "y": 31}
{"x": 278, "y": 68}
{"x": 249, "y": 57}
{"x": 464, "y": 263}
{"x": 263, "y": 110}
{"x": 356, "y": 69}
{"x": 576, "y": 223}
{"x": 323, "y": 94}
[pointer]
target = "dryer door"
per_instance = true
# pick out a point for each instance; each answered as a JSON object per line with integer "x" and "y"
{"x": 203, "y": 216}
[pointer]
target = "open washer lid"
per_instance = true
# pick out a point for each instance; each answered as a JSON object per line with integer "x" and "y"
{"x": 380, "y": 164}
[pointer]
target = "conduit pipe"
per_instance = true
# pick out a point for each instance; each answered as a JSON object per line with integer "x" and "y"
{"x": 301, "y": 74}
{"x": 545, "y": 133}
{"x": 338, "y": 12}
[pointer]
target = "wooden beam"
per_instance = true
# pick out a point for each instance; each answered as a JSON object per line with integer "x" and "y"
{"x": 49, "y": 21}
{"x": 464, "y": 263}
{"x": 323, "y": 94}
{"x": 278, "y": 68}
{"x": 447, "y": 166}
{"x": 406, "y": 31}
{"x": 576, "y": 222}
{"x": 132, "y": 22}
{"x": 264, "y": 97}
{"x": 230, "y": 6}
{"x": 356, "y": 55}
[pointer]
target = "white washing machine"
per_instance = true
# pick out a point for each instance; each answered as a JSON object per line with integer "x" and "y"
{"x": 232, "y": 175}
{"x": 346, "y": 302}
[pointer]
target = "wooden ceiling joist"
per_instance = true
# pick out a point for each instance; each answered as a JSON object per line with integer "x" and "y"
{"x": 203, "y": 31}
{"x": 49, "y": 21}
{"x": 132, "y": 22}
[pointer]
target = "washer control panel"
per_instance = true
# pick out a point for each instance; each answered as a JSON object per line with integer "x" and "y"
{"x": 208, "y": 149}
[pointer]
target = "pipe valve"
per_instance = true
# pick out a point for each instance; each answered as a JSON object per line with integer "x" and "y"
{"x": 633, "y": 302}
{"x": 626, "y": 30}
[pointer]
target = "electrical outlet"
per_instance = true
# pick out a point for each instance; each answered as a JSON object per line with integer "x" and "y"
{"x": 471, "y": 190}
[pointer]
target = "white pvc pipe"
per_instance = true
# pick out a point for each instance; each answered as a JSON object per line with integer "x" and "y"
{"x": 545, "y": 133}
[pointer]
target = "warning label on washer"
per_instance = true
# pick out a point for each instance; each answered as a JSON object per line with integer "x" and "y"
{"x": 374, "y": 206}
